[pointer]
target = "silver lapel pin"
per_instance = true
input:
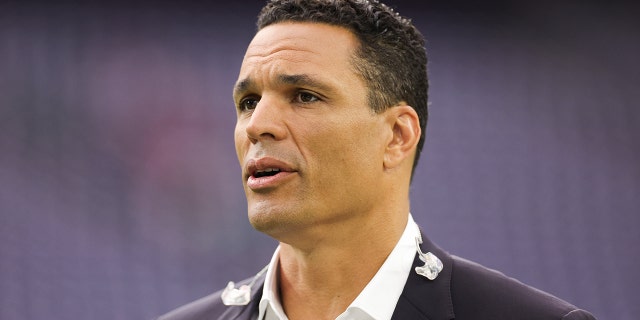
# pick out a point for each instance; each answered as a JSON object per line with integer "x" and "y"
{"x": 232, "y": 296}
{"x": 432, "y": 265}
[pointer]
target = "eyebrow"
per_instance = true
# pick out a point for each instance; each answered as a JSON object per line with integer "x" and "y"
{"x": 243, "y": 85}
{"x": 290, "y": 79}
{"x": 303, "y": 80}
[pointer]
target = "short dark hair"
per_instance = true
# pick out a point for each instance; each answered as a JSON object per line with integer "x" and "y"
{"x": 391, "y": 58}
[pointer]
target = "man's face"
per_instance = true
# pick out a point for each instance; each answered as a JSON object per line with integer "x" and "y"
{"x": 310, "y": 147}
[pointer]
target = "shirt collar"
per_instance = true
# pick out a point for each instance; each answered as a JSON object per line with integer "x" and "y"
{"x": 376, "y": 301}
{"x": 270, "y": 298}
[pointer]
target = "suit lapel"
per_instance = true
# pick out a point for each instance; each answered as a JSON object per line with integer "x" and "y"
{"x": 423, "y": 298}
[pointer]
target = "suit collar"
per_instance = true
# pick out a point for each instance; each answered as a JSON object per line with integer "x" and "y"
{"x": 423, "y": 298}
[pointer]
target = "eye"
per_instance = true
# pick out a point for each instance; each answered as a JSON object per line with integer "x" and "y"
{"x": 306, "y": 97}
{"x": 248, "y": 103}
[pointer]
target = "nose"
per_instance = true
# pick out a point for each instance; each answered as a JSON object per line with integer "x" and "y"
{"x": 266, "y": 122}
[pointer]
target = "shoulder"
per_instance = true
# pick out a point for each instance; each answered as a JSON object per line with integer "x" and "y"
{"x": 203, "y": 308}
{"x": 479, "y": 292}
{"x": 211, "y": 307}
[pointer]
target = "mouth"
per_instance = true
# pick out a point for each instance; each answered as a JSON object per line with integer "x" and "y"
{"x": 269, "y": 172}
{"x": 266, "y": 173}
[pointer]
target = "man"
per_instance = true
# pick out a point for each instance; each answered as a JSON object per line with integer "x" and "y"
{"x": 332, "y": 106}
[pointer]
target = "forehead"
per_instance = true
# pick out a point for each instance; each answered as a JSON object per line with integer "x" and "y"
{"x": 299, "y": 47}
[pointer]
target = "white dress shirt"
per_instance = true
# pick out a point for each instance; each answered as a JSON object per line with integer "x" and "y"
{"x": 376, "y": 301}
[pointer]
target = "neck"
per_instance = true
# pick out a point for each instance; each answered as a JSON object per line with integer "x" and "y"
{"x": 323, "y": 279}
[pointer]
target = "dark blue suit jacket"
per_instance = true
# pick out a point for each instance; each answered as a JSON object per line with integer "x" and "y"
{"x": 464, "y": 290}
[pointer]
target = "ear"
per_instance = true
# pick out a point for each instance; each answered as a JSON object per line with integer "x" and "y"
{"x": 406, "y": 133}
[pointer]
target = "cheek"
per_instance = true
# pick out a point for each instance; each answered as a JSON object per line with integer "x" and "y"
{"x": 349, "y": 149}
{"x": 240, "y": 139}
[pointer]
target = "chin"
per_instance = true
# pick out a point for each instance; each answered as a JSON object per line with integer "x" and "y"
{"x": 276, "y": 223}
{"x": 266, "y": 221}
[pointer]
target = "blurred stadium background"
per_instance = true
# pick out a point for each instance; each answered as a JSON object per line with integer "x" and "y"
{"x": 120, "y": 195}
